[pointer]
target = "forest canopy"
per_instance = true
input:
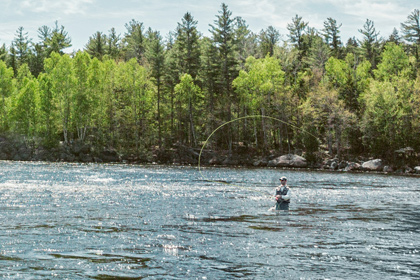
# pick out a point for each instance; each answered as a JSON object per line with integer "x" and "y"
{"x": 140, "y": 91}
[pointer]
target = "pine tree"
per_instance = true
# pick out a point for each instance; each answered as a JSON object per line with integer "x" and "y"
{"x": 134, "y": 41}
{"x": 411, "y": 31}
{"x": 113, "y": 44}
{"x": 370, "y": 42}
{"x": 246, "y": 41}
{"x": 187, "y": 43}
{"x": 96, "y": 45}
{"x": 22, "y": 48}
{"x": 224, "y": 40}
{"x": 331, "y": 34}
{"x": 155, "y": 54}
{"x": 297, "y": 30}
{"x": 269, "y": 39}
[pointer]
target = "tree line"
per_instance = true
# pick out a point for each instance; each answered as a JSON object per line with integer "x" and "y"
{"x": 138, "y": 91}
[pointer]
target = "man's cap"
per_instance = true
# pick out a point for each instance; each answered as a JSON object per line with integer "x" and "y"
{"x": 283, "y": 178}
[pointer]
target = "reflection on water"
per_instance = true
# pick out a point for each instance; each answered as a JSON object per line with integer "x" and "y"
{"x": 72, "y": 221}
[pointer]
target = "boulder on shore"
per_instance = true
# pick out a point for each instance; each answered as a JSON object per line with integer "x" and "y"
{"x": 352, "y": 166}
{"x": 288, "y": 160}
{"x": 373, "y": 165}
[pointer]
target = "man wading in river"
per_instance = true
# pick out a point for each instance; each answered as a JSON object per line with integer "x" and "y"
{"x": 282, "y": 195}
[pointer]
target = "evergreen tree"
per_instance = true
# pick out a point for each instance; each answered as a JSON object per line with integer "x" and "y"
{"x": 223, "y": 37}
{"x": 54, "y": 39}
{"x": 318, "y": 56}
{"x": 21, "y": 48}
{"x": 3, "y": 53}
{"x": 134, "y": 41}
{"x": 113, "y": 44}
{"x": 246, "y": 41}
{"x": 411, "y": 31}
{"x": 370, "y": 42}
{"x": 96, "y": 45}
{"x": 269, "y": 38}
{"x": 352, "y": 46}
{"x": 155, "y": 54}
{"x": 210, "y": 72}
{"x": 187, "y": 43}
{"x": 331, "y": 34}
{"x": 171, "y": 78}
{"x": 297, "y": 30}
{"x": 59, "y": 40}
{"x": 36, "y": 63}
{"x": 394, "y": 37}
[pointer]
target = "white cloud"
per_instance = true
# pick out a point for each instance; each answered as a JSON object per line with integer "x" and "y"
{"x": 67, "y": 7}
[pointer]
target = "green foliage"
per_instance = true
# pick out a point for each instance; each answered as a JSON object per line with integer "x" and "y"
{"x": 269, "y": 39}
{"x": 83, "y": 101}
{"x": 134, "y": 41}
{"x": 331, "y": 34}
{"x": 96, "y": 45}
{"x": 388, "y": 114}
{"x": 135, "y": 111}
{"x": 370, "y": 42}
{"x": 394, "y": 63}
{"x": 349, "y": 77}
{"x": 25, "y": 103}
{"x": 142, "y": 91}
{"x": 297, "y": 29}
{"x": 411, "y": 31}
{"x": 62, "y": 79}
{"x": 188, "y": 102}
{"x": 6, "y": 89}
{"x": 326, "y": 117}
{"x": 262, "y": 92}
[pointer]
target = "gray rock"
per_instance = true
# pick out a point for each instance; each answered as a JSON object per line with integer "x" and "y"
{"x": 417, "y": 169}
{"x": 343, "y": 164}
{"x": 260, "y": 162}
{"x": 288, "y": 160}
{"x": 352, "y": 166}
{"x": 408, "y": 169}
{"x": 388, "y": 168}
{"x": 373, "y": 165}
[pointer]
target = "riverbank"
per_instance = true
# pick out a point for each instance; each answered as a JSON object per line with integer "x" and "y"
{"x": 405, "y": 162}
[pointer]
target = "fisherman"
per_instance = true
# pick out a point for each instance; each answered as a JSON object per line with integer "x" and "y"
{"x": 282, "y": 195}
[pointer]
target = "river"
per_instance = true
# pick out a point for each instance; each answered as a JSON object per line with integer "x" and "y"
{"x": 105, "y": 221}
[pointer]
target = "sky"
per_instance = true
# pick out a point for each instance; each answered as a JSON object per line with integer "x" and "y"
{"x": 82, "y": 18}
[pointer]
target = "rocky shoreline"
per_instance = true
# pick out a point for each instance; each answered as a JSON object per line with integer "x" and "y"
{"x": 404, "y": 163}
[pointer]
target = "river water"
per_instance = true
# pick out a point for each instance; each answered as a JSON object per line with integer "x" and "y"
{"x": 99, "y": 221}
